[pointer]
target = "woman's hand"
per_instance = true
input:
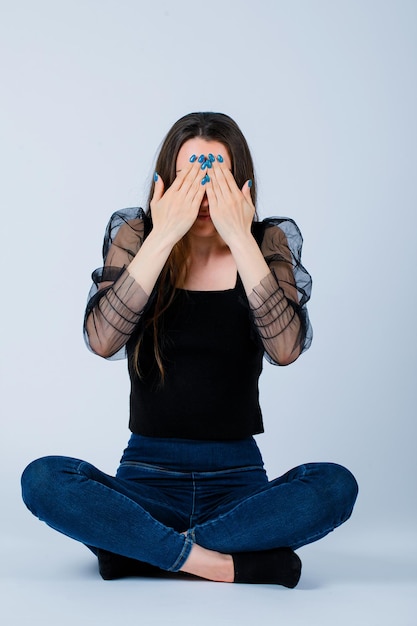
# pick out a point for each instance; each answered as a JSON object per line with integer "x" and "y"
{"x": 175, "y": 210}
{"x": 231, "y": 209}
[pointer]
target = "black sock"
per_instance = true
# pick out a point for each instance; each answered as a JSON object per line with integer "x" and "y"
{"x": 280, "y": 566}
{"x": 112, "y": 566}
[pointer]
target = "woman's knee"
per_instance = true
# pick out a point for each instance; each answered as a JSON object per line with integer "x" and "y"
{"x": 39, "y": 481}
{"x": 342, "y": 487}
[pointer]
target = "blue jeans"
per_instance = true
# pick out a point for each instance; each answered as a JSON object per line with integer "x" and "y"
{"x": 216, "y": 491}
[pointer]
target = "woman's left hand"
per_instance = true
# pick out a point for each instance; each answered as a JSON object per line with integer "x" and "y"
{"x": 231, "y": 209}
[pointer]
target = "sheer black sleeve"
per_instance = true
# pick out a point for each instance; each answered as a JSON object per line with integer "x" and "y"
{"x": 116, "y": 301}
{"x": 278, "y": 303}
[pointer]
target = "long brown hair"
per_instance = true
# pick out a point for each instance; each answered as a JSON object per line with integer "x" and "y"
{"x": 212, "y": 127}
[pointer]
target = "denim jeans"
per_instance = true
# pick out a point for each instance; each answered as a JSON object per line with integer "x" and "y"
{"x": 218, "y": 492}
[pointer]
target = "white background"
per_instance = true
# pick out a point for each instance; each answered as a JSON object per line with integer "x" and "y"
{"x": 325, "y": 92}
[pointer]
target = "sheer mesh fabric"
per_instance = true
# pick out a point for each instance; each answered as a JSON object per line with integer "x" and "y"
{"x": 278, "y": 304}
{"x": 116, "y": 301}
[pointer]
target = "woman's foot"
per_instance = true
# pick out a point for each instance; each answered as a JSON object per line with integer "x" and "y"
{"x": 279, "y": 566}
{"x": 209, "y": 564}
{"x": 112, "y": 566}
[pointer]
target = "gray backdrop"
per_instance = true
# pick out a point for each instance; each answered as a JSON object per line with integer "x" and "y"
{"x": 325, "y": 93}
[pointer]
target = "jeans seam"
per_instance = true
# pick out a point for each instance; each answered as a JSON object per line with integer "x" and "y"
{"x": 152, "y": 468}
{"x": 320, "y": 535}
{"x": 184, "y": 554}
{"x": 193, "y": 501}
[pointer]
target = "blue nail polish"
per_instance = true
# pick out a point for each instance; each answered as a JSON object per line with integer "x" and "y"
{"x": 204, "y": 165}
{"x": 201, "y": 158}
{"x": 220, "y": 158}
{"x": 211, "y": 157}
{"x": 193, "y": 158}
{"x": 155, "y": 177}
{"x": 250, "y": 183}
{"x": 208, "y": 164}
{"x": 206, "y": 179}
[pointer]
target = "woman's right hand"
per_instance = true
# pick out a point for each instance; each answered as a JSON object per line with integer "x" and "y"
{"x": 175, "y": 210}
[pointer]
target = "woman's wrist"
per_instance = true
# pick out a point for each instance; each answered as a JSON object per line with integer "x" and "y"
{"x": 249, "y": 259}
{"x": 161, "y": 241}
{"x": 240, "y": 242}
{"x": 150, "y": 259}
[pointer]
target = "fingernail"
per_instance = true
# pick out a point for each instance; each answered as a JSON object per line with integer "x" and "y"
{"x": 211, "y": 157}
{"x": 201, "y": 158}
{"x": 208, "y": 164}
{"x": 250, "y": 183}
{"x": 193, "y": 158}
{"x": 155, "y": 177}
{"x": 206, "y": 179}
{"x": 220, "y": 158}
{"x": 203, "y": 167}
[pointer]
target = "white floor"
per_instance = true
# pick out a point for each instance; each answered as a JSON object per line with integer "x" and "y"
{"x": 368, "y": 579}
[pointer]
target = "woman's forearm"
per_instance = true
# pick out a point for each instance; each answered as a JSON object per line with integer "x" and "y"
{"x": 119, "y": 306}
{"x": 250, "y": 262}
{"x": 148, "y": 263}
{"x": 274, "y": 314}
{"x": 114, "y": 314}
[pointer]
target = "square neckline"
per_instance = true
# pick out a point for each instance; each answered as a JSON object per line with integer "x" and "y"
{"x": 237, "y": 282}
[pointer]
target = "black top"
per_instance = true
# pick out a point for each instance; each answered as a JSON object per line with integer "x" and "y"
{"x": 213, "y": 342}
{"x": 212, "y": 362}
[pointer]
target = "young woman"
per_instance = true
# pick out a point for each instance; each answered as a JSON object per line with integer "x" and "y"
{"x": 195, "y": 292}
